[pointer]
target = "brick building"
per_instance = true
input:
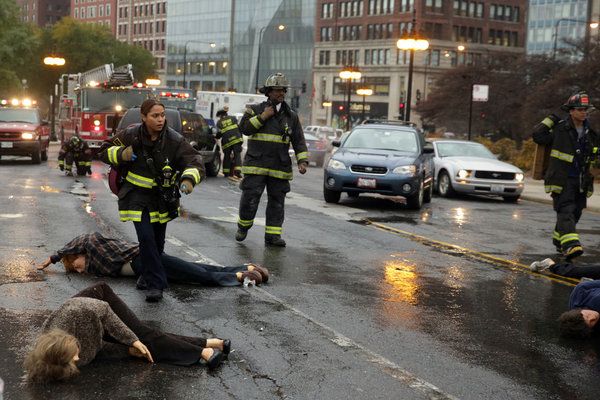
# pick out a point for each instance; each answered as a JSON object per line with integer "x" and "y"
{"x": 363, "y": 33}
{"x": 43, "y": 12}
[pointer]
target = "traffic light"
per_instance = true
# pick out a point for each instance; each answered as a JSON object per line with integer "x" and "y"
{"x": 303, "y": 87}
{"x": 402, "y": 109}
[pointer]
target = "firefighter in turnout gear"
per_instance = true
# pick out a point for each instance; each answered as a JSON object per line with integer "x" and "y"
{"x": 574, "y": 146}
{"x": 231, "y": 143}
{"x": 158, "y": 163}
{"x": 75, "y": 151}
{"x": 270, "y": 126}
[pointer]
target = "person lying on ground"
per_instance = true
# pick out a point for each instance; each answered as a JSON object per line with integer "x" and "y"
{"x": 566, "y": 268}
{"x": 94, "y": 253}
{"x": 581, "y": 321}
{"x": 96, "y": 320}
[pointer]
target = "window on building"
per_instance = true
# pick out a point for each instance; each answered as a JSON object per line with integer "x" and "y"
{"x": 479, "y": 10}
{"x": 107, "y": 10}
{"x": 76, "y": 13}
{"x": 324, "y": 57}
{"x": 433, "y": 6}
{"x": 326, "y": 34}
{"x": 326, "y": 10}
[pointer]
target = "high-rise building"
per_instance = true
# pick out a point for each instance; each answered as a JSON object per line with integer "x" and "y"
{"x": 144, "y": 23}
{"x": 363, "y": 34}
{"x": 100, "y": 12}
{"x": 558, "y": 24}
{"x": 43, "y": 12}
{"x": 280, "y": 30}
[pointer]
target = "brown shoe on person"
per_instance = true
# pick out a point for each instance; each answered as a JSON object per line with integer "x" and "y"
{"x": 253, "y": 276}
{"x": 264, "y": 272}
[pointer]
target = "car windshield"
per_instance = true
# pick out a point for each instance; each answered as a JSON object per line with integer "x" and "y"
{"x": 383, "y": 139}
{"x": 308, "y": 136}
{"x": 27, "y": 115}
{"x": 463, "y": 149}
{"x": 96, "y": 99}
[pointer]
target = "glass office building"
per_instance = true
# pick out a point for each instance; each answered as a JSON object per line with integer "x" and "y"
{"x": 553, "y": 22}
{"x": 282, "y": 31}
{"x": 192, "y": 26}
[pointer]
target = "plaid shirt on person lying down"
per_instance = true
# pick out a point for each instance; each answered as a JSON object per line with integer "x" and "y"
{"x": 104, "y": 256}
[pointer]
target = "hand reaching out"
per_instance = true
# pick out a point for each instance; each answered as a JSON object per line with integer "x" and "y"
{"x": 44, "y": 265}
{"x": 139, "y": 349}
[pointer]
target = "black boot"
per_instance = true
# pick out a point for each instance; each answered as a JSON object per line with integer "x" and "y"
{"x": 274, "y": 240}
{"x": 241, "y": 234}
{"x": 154, "y": 295}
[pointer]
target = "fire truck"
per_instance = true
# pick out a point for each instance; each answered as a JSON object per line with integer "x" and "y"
{"x": 92, "y": 102}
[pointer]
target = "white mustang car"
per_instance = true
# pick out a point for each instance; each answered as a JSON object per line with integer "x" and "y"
{"x": 469, "y": 167}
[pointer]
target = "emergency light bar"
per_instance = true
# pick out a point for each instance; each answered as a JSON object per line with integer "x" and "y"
{"x": 175, "y": 94}
{"x": 17, "y": 102}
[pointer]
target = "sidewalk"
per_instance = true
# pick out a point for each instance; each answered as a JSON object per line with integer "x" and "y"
{"x": 534, "y": 191}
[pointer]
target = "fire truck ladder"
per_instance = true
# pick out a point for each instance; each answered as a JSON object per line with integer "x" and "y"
{"x": 121, "y": 76}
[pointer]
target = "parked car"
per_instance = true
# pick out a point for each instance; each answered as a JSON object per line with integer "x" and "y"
{"x": 385, "y": 157}
{"x": 194, "y": 129}
{"x": 23, "y": 132}
{"x": 317, "y": 149}
{"x": 469, "y": 167}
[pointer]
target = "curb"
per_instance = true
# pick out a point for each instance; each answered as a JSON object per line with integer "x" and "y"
{"x": 594, "y": 208}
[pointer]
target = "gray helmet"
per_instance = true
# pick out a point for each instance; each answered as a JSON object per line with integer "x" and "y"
{"x": 275, "y": 81}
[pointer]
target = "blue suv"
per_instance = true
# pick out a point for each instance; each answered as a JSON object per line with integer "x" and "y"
{"x": 385, "y": 157}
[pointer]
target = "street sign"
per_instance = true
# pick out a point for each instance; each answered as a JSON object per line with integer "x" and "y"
{"x": 480, "y": 92}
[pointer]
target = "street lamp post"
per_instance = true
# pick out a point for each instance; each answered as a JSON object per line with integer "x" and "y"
{"x": 211, "y": 44}
{"x": 411, "y": 42}
{"x": 260, "y": 35}
{"x": 349, "y": 73}
{"x": 53, "y": 62}
{"x": 364, "y": 92}
{"x": 590, "y": 24}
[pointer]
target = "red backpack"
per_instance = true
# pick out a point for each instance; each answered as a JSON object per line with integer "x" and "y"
{"x": 116, "y": 176}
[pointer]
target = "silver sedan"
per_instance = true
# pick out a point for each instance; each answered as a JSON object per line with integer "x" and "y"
{"x": 469, "y": 167}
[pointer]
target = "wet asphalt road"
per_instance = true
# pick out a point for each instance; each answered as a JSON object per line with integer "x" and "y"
{"x": 368, "y": 301}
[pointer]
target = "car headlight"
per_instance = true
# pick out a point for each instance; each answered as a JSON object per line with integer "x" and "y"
{"x": 335, "y": 164}
{"x": 405, "y": 170}
{"x": 519, "y": 177}
{"x": 27, "y": 135}
{"x": 463, "y": 173}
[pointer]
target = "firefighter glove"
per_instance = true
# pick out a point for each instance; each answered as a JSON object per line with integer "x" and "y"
{"x": 127, "y": 154}
{"x": 62, "y": 168}
{"x": 186, "y": 186}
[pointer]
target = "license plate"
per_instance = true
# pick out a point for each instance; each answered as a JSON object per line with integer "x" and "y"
{"x": 366, "y": 183}
{"x": 497, "y": 188}
{"x": 6, "y": 145}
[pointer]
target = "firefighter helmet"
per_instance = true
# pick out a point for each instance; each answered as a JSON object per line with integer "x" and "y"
{"x": 578, "y": 100}
{"x": 75, "y": 140}
{"x": 275, "y": 81}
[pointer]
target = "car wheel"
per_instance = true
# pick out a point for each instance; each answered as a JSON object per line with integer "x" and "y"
{"x": 353, "y": 195}
{"x": 416, "y": 200}
{"x": 445, "y": 188}
{"x": 428, "y": 194}
{"x": 36, "y": 157}
{"x": 213, "y": 167}
{"x": 331, "y": 196}
{"x": 511, "y": 199}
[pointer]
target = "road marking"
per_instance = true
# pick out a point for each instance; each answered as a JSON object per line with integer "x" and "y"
{"x": 463, "y": 251}
{"x": 389, "y": 367}
{"x": 11, "y": 216}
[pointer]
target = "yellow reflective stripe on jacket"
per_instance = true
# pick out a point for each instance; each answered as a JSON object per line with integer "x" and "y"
{"x": 255, "y": 122}
{"x": 130, "y": 215}
{"x": 194, "y": 173}
{"x": 269, "y": 137}
{"x": 232, "y": 142}
{"x": 140, "y": 181}
{"x": 113, "y": 152}
{"x": 569, "y": 237}
{"x": 155, "y": 216}
{"x": 561, "y": 156}
{"x": 61, "y": 162}
{"x": 301, "y": 156}
{"x": 548, "y": 122}
{"x": 246, "y": 223}
{"x": 266, "y": 171}
{"x": 553, "y": 189}
{"x": 85, "y": 163}
{"x": 273, "y": 230}
{"x": 228, "y": 128}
